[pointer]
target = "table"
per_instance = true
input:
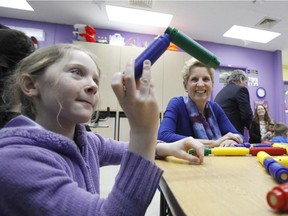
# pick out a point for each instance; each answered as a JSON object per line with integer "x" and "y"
{"x": 222, "y": 185}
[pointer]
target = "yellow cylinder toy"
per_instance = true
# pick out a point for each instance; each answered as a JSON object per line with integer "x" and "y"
{"x": 262, "y": 156}
{"x": 229, "y": 151}
{"x": 282, "y": 160}
{"x": 281, "y": 145}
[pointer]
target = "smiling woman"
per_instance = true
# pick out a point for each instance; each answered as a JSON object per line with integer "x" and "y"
{"x": 193, "y": 115}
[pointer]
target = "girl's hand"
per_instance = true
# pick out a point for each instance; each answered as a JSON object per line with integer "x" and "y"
{"x": 138, "y": 100}
{"x": 179, "y": 149}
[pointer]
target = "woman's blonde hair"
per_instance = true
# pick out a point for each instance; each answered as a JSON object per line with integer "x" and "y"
{"x": 35, "y": 66}
{"x": 191, "y": 63}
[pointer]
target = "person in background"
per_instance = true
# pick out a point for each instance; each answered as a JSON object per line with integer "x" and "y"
{"x": 261, "y": 119}
{"x": 14, "y": 46}
{"x": 234, "y": 99}
{"x": 193, "y": 115}
{"x": 270, "y": 131}
{"x": 280, "y": 133}
{"x": 49, "y": 162}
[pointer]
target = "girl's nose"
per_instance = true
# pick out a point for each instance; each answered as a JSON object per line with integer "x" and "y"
{"x": 92, "y": 88}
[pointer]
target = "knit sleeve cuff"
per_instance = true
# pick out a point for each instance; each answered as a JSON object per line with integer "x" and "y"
{"x": 137, "y": 180}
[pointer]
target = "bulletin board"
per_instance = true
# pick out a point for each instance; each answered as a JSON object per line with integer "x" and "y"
{"x": 225, "y": 72}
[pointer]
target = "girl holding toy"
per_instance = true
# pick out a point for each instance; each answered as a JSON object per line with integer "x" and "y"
{"x": 49, "y": 162}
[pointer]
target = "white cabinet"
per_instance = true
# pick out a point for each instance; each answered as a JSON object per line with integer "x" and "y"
{"x": 172, "y": 76}
{"x": 106, "y": 128}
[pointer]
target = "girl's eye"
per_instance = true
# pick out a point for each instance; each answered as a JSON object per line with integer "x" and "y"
{"x": 96, "y": 81}
{"x": 77, "y": 71}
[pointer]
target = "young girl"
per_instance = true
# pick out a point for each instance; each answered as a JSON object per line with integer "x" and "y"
{"x": 49, "y": 163}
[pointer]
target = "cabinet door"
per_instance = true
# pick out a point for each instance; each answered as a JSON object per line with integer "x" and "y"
{"x": 109, "y": 59}
{"x": 173, "y": 63}
{"x": 157, "y": 69}
{"x": 123, "y": 127}
{"x": 107, "y": 128}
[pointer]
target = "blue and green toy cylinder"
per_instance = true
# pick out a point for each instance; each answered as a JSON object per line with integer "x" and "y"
{"x": 159, "y": 46}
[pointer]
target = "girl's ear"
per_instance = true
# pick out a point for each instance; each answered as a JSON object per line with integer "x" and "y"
{"x": 28, "y": 86}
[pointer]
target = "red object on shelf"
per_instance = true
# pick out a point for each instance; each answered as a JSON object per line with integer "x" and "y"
{"x": 269, "y": 150}
{"x": 173, "y": 47}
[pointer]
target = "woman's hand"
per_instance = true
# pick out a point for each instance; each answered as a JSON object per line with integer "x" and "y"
{"x": 179, "y": 149}
{"x": 229, "y": 139}
{"x": 138, "y": 100}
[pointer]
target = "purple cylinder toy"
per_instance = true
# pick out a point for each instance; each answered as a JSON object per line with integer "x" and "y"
{"x": 267, "y": 162}
{"x": 152, "y": 52}
{"x": 246, "y": 145}
{"x": 262, "y": 145}
{"x": 277, "y": 170}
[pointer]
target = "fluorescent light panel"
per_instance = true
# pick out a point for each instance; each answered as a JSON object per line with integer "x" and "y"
{"x": 16, "y": 4}
{"x": 250, "y": 34}
{"x": 141, "y": 17}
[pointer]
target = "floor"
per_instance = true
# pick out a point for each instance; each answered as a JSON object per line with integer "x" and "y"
{"x": 107, "y": 180}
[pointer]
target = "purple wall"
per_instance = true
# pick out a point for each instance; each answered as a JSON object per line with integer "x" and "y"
{"x": 54, "y": 33}
{"x": 269, "y": 67}
{"x": 268, "y": 64}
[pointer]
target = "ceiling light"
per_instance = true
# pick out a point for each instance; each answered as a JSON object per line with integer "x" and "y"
{"x": 250, "y": 34}
{"x": 129, "y": 15}
{"x": 16, "y": 4}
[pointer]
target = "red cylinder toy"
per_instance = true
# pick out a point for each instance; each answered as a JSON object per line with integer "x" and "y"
{"x": 277, "y": 198}
{"x": 269, "y": 150}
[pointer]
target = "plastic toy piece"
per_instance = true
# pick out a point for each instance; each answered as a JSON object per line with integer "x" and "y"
{"x": 246, "y": 145}
{"x": 224, "y": 151}
{"x": 262, "y": 145}
{"x": 270, "y": 150}
{"x": 192, "y": 47}
{"x": 277, "y": 198}
{"x": 280, "y": 145}
{"x": 159, "y": 46}
{"x": 282, "y": 160}
{"x": 261, "y": 156}
{"x": 207, "y": 151}
{"x": 277, "y": 170}
{"x": 229, "y": 151}
{"x": 152, "y": 52}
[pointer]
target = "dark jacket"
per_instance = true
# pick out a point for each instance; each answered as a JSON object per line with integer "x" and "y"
{"x": 235, "y": 101}
{"x": 254, "y": 133}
